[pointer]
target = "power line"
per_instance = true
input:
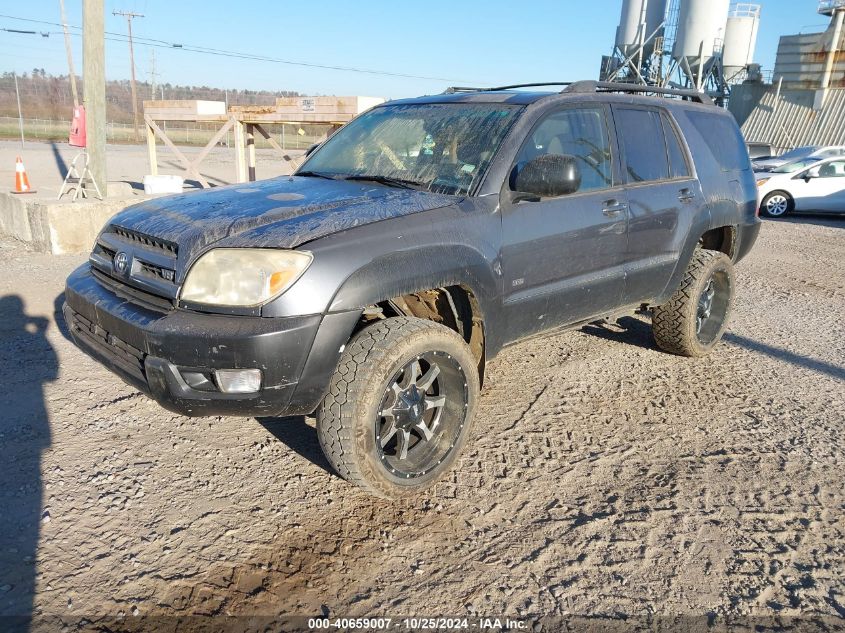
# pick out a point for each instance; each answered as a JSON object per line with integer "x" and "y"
{"x": 146, "y": 41}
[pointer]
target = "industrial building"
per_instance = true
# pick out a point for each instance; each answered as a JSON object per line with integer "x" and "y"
{"x": 709, "y": 45}
{"x": 805, "y": 103}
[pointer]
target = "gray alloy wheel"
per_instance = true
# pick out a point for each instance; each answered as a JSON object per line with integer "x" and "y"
{"x": 713, "y": 306}
{"x": 777, "y": 204}
{"x": 415, "y": 429}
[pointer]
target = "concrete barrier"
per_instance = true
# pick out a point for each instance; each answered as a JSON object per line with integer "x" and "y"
{"x": 55, "y": 227}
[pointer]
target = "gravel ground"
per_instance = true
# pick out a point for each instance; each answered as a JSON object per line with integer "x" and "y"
{"x": 604, "y": 476}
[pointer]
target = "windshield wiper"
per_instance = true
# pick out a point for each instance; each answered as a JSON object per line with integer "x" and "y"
{"x": 314, "y": 174}
{"x": 386, "y": 180}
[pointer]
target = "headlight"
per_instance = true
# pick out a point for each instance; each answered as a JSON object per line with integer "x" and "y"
{"x": 243, "y": 276}
{"x": 762, "y": 181}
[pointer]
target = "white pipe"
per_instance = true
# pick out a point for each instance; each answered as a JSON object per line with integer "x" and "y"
{"x": 838, "y": 18}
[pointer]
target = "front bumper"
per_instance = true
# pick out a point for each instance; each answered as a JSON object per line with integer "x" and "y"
{"x": 150, "y": 348}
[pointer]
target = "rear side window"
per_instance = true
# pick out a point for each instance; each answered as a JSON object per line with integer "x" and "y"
{"x": 678, "y": 167}
{"x": 724, "y": 139}
{"x": 642, "y": 139}
{"x": 833, "y": 169}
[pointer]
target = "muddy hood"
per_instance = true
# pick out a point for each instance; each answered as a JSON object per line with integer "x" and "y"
{"x": 282, "y": 212}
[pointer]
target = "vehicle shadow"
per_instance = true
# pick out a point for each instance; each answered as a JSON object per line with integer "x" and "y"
{"x": 294, "y": 432}
{"x": 633, "y": 331}
{"x": 819, "y": 366}
{"x": 829, "y": 220}
{"x": 629, "y": 330}
{"x": 27, "y": 363}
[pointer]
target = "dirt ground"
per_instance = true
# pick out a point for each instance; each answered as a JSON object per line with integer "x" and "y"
{"x": 604, "y": 477}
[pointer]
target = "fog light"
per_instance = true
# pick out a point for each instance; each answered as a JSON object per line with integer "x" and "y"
{"x": 238, "y": 380}
{"x": 198, "y": 380}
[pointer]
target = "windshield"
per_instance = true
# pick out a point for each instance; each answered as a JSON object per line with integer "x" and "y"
{"x": 798, "y": 152}
{"x": 443, "y": 148}
{"x": 795, "y": 166}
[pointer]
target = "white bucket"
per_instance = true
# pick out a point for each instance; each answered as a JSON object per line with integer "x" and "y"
{"x": 163, "y": 184}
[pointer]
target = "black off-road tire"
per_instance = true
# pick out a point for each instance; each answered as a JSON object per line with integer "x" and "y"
{"x": 347, "y": 417}
{"x": 675, "y": 323}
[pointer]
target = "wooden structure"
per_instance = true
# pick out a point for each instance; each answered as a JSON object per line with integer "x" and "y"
{"x": 185, "y": 111}
{"x": 246, "y": 121}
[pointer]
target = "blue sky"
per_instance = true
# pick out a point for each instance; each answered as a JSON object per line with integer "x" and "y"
{"x": 457, "y": 42}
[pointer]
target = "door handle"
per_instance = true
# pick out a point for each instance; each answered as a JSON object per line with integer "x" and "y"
{"x": 612, "y": 208}
{"x": 686, "y": 195}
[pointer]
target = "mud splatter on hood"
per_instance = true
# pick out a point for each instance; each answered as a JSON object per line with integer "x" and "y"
{"x": 282, "y": 212}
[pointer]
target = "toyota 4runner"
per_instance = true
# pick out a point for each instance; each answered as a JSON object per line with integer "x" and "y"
{"x": 424, "y": 236}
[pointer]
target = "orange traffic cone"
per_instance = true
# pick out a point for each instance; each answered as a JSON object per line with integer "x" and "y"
{"x": 21, "y": 180}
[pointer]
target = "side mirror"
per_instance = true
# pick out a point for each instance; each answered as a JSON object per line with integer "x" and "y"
{"x": 549, "y": 176}
{"x": 815, "y": 172}
{"x": 311, "y": 149}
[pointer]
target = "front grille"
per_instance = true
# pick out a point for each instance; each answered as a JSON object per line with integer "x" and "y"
{"x": 158, "y": 272}
{"x": 107, "y": 252}
{"x": 133, "y": 294}
{"x": 128, "y": 358}
{"x": 151, "y": 280}
{"x": 153, "y": 243}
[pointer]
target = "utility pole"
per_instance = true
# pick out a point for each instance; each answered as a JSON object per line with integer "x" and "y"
{"x": 71, "y": 71}
{"x": 94, "y": 87}
{"x": 129, "y": 15}
{"x": 153, "y": 74}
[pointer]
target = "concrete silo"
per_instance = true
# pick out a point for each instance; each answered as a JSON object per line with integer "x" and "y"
{"x": 640, "y": 19}
{"x": 701, "y": 30}
{"x": 740, "y": 39}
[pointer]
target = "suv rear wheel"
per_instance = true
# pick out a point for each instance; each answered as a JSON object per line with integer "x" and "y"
{"x": 695, "y": 318}
{"x": 399, "y": 407}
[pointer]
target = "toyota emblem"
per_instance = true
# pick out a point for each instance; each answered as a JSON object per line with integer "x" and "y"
{"x": 121, "y": 263}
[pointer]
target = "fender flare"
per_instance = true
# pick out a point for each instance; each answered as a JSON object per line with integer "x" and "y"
{"x": 383, "y": 278}
{"x": 422, "y": 268}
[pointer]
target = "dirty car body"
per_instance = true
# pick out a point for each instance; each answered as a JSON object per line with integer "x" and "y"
{"x": 499, "y": 265}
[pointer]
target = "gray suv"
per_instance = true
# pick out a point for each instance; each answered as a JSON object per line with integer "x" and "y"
{"x": 373, "y": 285}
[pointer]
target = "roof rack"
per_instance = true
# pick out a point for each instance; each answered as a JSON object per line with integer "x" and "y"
{"x": 454, "y": 89}
{"x": 536, "y": 85}
{"x": 603, "y": 86}
{"x": 580, "y": 87}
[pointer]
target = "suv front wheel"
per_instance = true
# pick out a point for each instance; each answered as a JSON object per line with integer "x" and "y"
{"x": 694, "y": 319}
{"x": 399, "y": 407}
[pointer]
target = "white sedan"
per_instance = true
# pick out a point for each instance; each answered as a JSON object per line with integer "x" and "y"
{"x": 819, "y": 188}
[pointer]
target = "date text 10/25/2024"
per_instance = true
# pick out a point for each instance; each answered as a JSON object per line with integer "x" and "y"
{"x": 417, "y": 624}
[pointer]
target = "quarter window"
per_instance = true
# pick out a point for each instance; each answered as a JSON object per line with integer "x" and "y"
{"x": 722, "y": 135}
{"x": 578, "y": 132}
{"x": 642, "y": 140}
